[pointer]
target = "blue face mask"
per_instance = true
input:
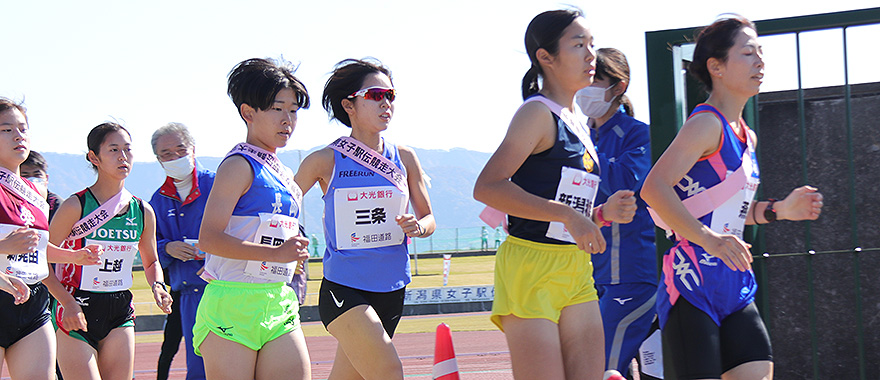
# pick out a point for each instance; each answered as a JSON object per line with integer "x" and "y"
{"x": 591, "y": 100}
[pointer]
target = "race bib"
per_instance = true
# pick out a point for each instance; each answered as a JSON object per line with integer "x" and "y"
{"x": 114, "y": 272}
{"x": 578, "y": 189}
{"x": 730, "y": 217}
{"x": 274, "y": 230}
{"x": 30, "y": 267}
{"x": 365, "y": 216}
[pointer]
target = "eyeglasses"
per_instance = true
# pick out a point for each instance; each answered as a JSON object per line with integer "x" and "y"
{"x": 376, "y": 93}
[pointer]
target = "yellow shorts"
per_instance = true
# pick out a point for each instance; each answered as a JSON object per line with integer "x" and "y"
{"x": 249, "y": 314}
{"x": 537, "y": 280}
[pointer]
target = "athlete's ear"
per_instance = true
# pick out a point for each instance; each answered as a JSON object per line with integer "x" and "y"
{"x": 93, "y": 158}
{"x": 348, "y": 106}
{"x": 247, "y": 112}
{"x": 715, "y": 67}
{"x": 544, "y": 57}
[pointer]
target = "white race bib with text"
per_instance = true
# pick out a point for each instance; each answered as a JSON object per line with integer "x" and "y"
{"x": 274, "y": 230}
{"x": 578, "y": 189}
{"x": 365, "y": 216}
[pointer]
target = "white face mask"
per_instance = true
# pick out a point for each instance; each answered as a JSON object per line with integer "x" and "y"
{"x": 179, "y": 169}
{"x": 592, "y": 102}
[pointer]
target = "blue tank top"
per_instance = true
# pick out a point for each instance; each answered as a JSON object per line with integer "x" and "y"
{"x": 539, "y": 175}
{"x": 382, "y": 269}
{"x": 267, "y": 195}
{"x": 690, "y": 272}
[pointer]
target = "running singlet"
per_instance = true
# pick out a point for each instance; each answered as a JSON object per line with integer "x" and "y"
{"x": 266, "y": 214}
{"x": 16, "y": 212}
{"x": 119, "y": 237}
{"x": 366, "y": 248}
{"x": 556, "y": 173}
{"x": 688, "y": 271}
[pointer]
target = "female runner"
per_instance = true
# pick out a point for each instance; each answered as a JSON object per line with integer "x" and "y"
{"x": 710, "y": 326}
{"x": 27, "y": 343}
{"x": 544, "y": 176}
{"x": 93, "y": 310}
{"x": 247, "y": 325}
{"x": 367, "y": 183}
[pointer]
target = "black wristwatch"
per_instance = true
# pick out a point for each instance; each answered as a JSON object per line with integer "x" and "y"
{"x": 165, "y": 288}
{"x": 770, "y": 212}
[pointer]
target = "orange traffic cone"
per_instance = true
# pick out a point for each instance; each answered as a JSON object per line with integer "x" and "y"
{"x": 445, "y": 366}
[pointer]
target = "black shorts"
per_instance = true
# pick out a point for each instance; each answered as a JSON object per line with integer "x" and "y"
{"x": 335, "y": 299}
{"x": 103, "y": 311}
{"x": 696, "y": 348}
{"x": 18, "y": 321}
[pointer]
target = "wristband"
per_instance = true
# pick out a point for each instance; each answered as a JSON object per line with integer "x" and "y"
{"x": 162, "y": 284}
{"x": 601, "y": 218}
{"x": 420, "y": 229}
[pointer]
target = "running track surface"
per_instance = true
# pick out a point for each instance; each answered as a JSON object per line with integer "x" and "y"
{"x": 481, "y": 355}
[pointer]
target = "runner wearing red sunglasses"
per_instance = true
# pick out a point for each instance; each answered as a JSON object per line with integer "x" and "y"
{"x": 367, "y": 184}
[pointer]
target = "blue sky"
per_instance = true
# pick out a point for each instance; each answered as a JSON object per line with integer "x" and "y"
{"x": 457, "y": 64}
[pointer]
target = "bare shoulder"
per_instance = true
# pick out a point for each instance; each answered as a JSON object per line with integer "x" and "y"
{"x": 320, "y": 157}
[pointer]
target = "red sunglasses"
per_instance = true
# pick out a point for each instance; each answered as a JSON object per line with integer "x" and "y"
{"x": 376, "y": 93}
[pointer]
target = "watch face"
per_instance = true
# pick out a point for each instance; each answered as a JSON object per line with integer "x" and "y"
{"x": 769, "y": 214}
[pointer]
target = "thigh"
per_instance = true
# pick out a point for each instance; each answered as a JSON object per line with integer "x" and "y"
{"x": 535, "y": 347}
{"x": 116, "y": 354}
{"x": 366, "y": 344}
{"x": 581, "y": 339}
{"x": 691, "y": 343}
{"x": 389, "y": 308}
{"x": 744, "y": 339}
{"x": 225, "y": 359}
{"x": 33, "y": 357}
{"x": 285, "y": 355}
{"x": 77, "y": 359}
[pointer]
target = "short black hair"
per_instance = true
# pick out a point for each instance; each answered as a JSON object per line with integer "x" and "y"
{"x": 347, "y": 78}
{"x": 257, "y": 81}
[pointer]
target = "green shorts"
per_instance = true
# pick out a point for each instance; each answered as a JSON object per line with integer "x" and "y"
{"x": 249, "y": 314}
{"x": 537, "y": 280}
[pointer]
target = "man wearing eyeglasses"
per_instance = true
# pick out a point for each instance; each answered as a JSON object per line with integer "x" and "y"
{"x": 179, "y": 204}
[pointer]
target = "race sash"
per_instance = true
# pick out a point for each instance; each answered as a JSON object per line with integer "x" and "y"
{"x": 30, "y": 267}
{"x": 100, "y": 216}
{"x": 274, "y": 230}
{"x": 717, "y": 196}
{"x": 16, "y": 185}
{"x": 578, "y": 189}
{"x": 272, "y": 163}
{"x": 372, "y": 160}
{"x": 114, "y": 272}
{"x": 365, "y": 216}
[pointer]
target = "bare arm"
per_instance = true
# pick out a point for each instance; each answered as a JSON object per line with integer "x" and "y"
{"x": 316, "y": 167}
{"x": 531, "y": 131}
{"x": 234, "y": 178}
{"x": 150, "y": 259}
{"x": 699, "y": 137}
{"x": 422, "y": 224}
{"x": 70, "y": 211}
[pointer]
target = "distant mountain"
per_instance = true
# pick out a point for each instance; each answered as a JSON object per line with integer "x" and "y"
{"x": 452, "y": 174}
